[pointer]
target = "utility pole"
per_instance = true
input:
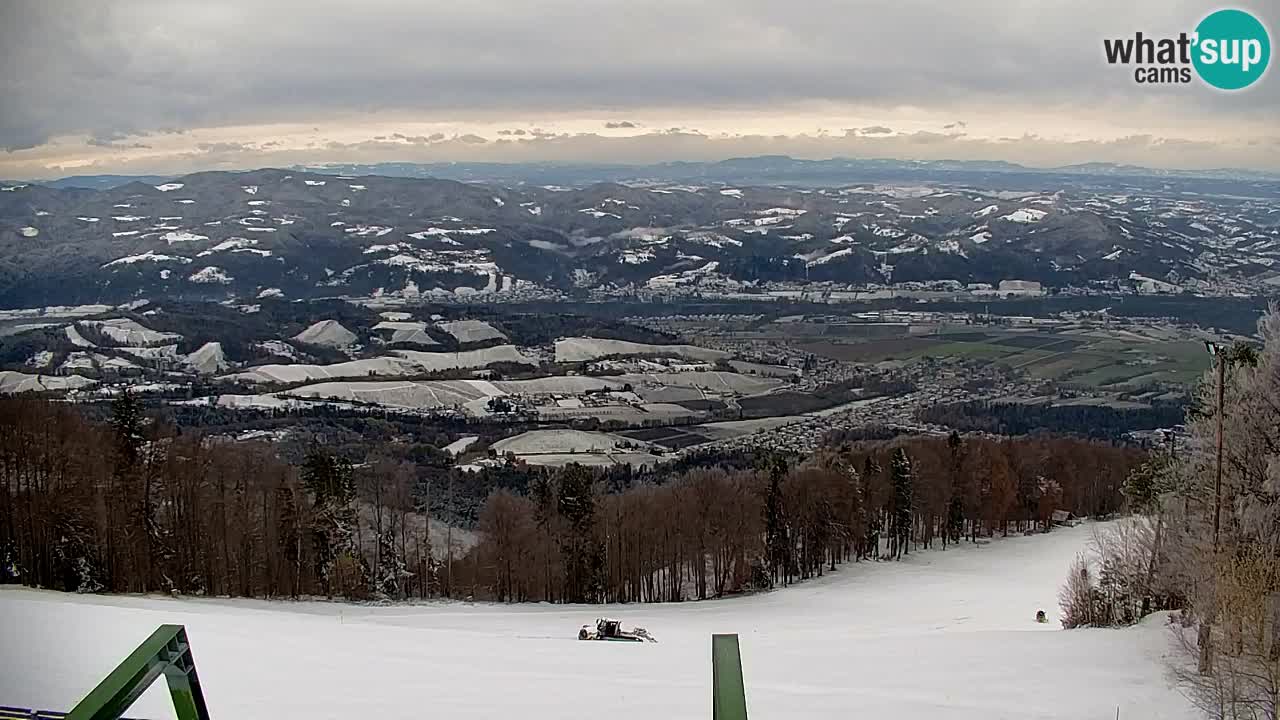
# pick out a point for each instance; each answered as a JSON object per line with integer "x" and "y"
{"x": 1239, "y": 354}
{"x": 1220, "y": 358}
{"x": 1204, "y": 635}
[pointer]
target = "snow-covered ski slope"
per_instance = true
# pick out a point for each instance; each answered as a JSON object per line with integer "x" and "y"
{"x": 940, "y": 635}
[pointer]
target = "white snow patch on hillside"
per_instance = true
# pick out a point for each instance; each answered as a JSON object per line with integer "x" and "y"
{"x": 1025, "y": 215}
{"x": 469, "y": 331}
{"x": 270, "y": 293}
{"x": 131, "y": 218}
{"x": 180, "y": 236}
{"x": 498, "y": 201}
{"x": 168, "y": 187}
{"x": 326, "y": 332}
{"x": 843, "y": 252}
{"x": 402, "y": 362}
{"x": 148, "y": 256}
{"x": 28, "y": 231}
{"x": 731, "y": 192}
{"x": 357, "y": 188}
{"x": 714, "y": 239}
{"x": 407, "y": 331}
{"x": 209, "y": 359}
{"x": 124, "y": 331}
{"x": 260, "y": 229}
{"x": 582, "y": 349}
{"x": 184, "y": 202}
{"x": 363, "y": 230}
{"x": 986, "y": 211}
{"x": 980, "y": 237}
{"x": 76, "y": 339}
{"x": 17, "y": 382}
{"x": 212, "y": 275}
{"x": 314, "y": 182}
{"x": 939, "y": 635}
{"x": 230, "y": 244}
{"x": 87, "y": 219}
{"x": 256, "y": 203}
{"x": 459, "y": 446}
{"x": 442, "y": 234}
{"x": 125, "y": 233}
{"x": 537, "y": 442}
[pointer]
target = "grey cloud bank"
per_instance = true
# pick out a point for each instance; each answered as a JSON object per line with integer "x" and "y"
{"x": 117, "y": 72}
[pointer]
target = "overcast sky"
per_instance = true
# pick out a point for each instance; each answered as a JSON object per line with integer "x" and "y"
{"x": 167, "y": 86}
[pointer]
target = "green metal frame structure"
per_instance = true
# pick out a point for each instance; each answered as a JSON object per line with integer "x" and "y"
{"x": 728, "y": 696}
{"x": 167, "y": 652}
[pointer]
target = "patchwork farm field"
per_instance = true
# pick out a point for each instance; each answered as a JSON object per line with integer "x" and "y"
{"x": 1099, "y": 361}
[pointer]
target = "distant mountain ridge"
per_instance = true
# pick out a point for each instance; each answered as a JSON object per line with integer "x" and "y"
{"x": 240, "y": 236}
{"x": 761, "y": 169}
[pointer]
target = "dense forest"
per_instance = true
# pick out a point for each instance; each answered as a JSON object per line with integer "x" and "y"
{"x": 1094, "y": 421}
{"x": 132, "y": 503}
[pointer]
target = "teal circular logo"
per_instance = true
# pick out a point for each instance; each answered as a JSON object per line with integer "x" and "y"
{"x": 1232, "y": 49}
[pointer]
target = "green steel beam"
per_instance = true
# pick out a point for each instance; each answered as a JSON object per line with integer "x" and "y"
{"x": 167, "y": 653}
{"x": 728, "y": 696}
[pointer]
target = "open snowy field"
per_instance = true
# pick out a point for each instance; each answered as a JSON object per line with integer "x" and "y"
{"x": 940, "y": 635}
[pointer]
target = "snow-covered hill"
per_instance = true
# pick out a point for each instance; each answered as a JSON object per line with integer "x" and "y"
{"x": 304, "y": 235}
{"x": 940, "y": 635}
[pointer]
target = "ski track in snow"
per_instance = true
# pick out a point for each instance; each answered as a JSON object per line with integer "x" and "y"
{"x": 940, "y": 635}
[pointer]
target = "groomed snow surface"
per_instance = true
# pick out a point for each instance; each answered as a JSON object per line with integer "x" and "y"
{"x": 939, "y": 635}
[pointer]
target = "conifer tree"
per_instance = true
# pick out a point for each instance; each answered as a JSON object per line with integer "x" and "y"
{"x": 776, "y": 544}
{"x": 391, "y": 570}
{"x": 901, "y": 513}
{"x": 871, "y": 470}
{"x": 582, "y": 552}
{"x": 332, "y": 485}
{"x": 959, "y": 489}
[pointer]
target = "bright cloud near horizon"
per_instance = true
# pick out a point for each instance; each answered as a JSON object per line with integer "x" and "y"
{"x": 173, "y": 86}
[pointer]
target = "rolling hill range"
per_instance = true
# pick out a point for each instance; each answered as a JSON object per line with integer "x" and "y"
{"x": 297, "y": 234}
